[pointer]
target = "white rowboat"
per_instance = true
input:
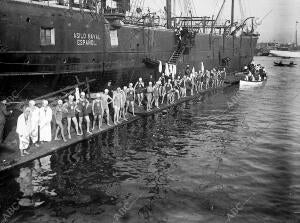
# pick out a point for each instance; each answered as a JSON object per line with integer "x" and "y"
{"x": 250, "y": 84}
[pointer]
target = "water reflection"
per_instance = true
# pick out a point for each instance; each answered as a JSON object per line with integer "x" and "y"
{"x": 191, "y": 163}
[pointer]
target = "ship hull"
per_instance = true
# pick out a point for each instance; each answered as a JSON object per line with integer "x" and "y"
{"x": 87, "y": 45}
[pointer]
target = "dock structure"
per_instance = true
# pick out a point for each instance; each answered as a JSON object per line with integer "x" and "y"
{"x": 10, "y": 156}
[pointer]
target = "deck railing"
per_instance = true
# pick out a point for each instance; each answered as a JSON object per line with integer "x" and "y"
{"x": 85, "y": 5}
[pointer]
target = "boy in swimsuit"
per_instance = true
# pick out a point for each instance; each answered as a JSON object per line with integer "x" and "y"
{"x": 212, "y": 78}
{"x": 156, "y": 90}
{"x": 130, "y": 98}
{"x": 169, "y": 89}
{"x": 183, "y": 86}
{"x": 139, "y": 88}
{"x": 70, "y": 107}
{"x": 207, "y": 77}
{"x": 149, "y": 96}
{"x": 97, "y": 109}
{"x": 117, "y": 101}
{"x": 189, "y": 85}
{"x": 58, "y": 114}
{"x": 201, "y": 81}
{"x": 193, "y": 85}
{"x": 123, "y": 105}
{"x": 105, "y": 97}
{"x": 176, "y": 90}
{"x": 223, "y": 76}
{"x": 197, "y": 81}
{"x": 163, "y": 92}
{"x": 82, "y": 105}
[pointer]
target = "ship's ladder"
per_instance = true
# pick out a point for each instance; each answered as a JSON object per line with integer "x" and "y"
{"x": 176, "y": 54}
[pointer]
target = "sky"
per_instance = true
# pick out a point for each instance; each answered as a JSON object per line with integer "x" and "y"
{"x": 279, "y": 25}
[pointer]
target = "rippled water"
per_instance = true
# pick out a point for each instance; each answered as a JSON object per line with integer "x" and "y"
{"x": 231, "y": 157}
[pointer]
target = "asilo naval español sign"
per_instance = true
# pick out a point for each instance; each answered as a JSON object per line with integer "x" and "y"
{"x": 86, "y": 39}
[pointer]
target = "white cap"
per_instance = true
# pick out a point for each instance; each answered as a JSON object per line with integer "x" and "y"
{"x": 45, "y": 102}
{"x": 32, "y": 102}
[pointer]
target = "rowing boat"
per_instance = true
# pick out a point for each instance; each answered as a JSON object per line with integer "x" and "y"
{"x": 248, "y": 84}
{"x": 284, "y": 64}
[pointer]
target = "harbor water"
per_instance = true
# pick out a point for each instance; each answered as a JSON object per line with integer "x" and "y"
{"x": 231, "y": 157}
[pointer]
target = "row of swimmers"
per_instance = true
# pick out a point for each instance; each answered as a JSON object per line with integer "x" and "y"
{"x": 35, "y": 121}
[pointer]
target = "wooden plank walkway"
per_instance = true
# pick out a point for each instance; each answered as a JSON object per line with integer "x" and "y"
{"x": 11, "y": 152}
{"x": 14, "y": 159}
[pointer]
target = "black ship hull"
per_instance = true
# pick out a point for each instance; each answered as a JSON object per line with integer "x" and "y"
{"x": 85, "y": 44}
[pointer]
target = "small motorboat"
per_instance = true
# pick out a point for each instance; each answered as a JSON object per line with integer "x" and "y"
{"x": 248, "y": 84}
{"x": 280, "y": 64}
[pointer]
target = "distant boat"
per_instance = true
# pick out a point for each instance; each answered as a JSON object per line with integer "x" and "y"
{"x": 280, "y": 64}
{"x": 249, "y": 84}
{"x": 285, "y": 54}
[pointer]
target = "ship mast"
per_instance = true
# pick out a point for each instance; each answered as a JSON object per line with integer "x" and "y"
{"x": 296, "y": 34}
{"x": 232, "y": 12}
{"x": 169, "y": 11}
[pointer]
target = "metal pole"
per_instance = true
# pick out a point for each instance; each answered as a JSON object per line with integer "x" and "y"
{"x": 169, "y": 9}
{"x": 232, "y": 12}
{"x": 296, "y": 34}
